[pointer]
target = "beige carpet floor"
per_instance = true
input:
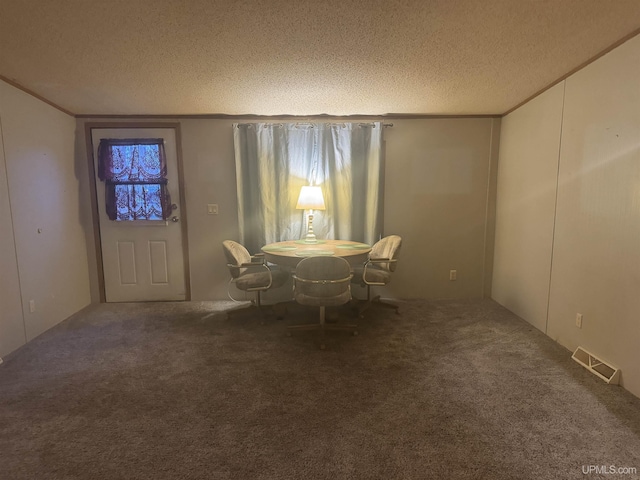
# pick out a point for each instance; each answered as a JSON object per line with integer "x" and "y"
{"x": 445, "y": 390}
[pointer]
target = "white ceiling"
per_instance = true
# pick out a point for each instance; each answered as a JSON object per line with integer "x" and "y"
{"x": 301, "y": 57}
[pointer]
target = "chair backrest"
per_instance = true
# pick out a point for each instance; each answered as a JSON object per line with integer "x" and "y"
{"x": 236, "y": 255}
{"x": 387, "y": 247}
{"x": 323, "y": 277}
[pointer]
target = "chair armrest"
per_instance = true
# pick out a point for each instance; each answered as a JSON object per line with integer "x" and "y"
{"x": 252, "y": 267}
{"x": 374, "y": 261}
{"x": 250, "y": 264}
{"x": 381, "y": 260}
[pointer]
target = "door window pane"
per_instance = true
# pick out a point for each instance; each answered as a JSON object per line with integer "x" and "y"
{"x": 138, "y": 202}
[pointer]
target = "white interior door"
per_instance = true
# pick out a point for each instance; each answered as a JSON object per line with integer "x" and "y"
{"x": 142, "y": 259}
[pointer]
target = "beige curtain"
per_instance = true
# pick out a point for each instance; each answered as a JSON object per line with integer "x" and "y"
{"x": 274, "y": 160}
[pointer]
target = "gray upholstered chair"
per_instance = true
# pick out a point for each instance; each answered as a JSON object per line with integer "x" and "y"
{"x": 322, "y": 281}
{"x": 378, "y": 270}
{"x": 251, "y": 274}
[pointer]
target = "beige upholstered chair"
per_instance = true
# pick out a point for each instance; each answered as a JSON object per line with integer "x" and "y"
{"x": 251, "y": 273}
{"x": 322, "y": 281}
{"x": 377, "y": 270}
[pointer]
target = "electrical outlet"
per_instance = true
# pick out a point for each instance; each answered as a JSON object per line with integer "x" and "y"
{"x": 212, "y": 209}
{"x": 453, "y": 275}
{"x": 32, "y": 306}
{"x": 579, "y": 320}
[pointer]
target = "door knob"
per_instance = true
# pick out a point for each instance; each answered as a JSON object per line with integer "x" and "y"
{"x": 175, "y": 219}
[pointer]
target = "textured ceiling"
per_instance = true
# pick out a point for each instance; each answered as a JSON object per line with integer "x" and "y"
{"x": 300, "y": 57}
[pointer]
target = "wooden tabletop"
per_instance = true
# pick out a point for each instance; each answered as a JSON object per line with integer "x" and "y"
{"x": 289, "y": 253}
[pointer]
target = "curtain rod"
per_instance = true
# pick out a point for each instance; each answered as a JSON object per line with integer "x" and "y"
{"x": 301, "y": 124}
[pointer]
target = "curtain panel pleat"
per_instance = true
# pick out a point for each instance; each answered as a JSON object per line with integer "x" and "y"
{"x": 274, "y": 160}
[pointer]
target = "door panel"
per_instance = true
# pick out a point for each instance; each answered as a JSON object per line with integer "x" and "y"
{"x": 159, "y": 263}
{"x": 142, "y": 259}
{"x": 126, "y": 263}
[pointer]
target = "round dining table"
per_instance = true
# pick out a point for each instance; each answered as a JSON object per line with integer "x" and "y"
{"x": 290, "y": 252}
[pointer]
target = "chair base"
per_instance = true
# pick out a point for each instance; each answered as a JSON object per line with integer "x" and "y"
{"x": 323, "y": 327}
{"x": 363, "y": 305}
{"x": 246, "y": 309}
{"x": 278, "y": 309}
{"x": 319, "y": 326}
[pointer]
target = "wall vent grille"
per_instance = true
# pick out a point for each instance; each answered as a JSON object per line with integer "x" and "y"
{"x": 597, "y": 366}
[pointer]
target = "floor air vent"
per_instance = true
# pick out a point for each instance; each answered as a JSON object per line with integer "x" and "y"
{"x": 598, "y": 367}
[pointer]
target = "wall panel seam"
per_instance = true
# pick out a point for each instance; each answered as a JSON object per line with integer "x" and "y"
{"x": 555, "y": 209}
{"x": 13, "y": 231}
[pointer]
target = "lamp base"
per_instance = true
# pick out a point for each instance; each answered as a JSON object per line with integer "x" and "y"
{"x": 310, "y": 238}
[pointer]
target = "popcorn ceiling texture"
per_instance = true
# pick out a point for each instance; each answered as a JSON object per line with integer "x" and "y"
{"x": 297, "y": 57}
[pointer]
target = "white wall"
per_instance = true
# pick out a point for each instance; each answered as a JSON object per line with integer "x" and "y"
{"x": 436, "y": 180}
{"x": 209, "y": 169}
{"x": 41, "y": 208}
{"x": 12, "y": 334}
{"x": 526, "y": 202}
{"x": 595, "y": 261}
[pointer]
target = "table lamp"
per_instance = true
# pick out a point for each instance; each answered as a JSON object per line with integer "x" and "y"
{"x": 310, "y": 199}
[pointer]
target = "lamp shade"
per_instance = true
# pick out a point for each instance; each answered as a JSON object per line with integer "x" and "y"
{"x": 310, "y": 198}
